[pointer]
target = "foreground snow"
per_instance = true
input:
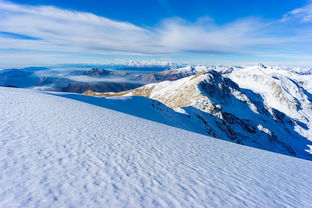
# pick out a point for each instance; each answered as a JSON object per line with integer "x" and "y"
{"x": 58, "y": 152}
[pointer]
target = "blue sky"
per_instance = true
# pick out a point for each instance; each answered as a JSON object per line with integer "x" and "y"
{"x": 151, "y": 12}
{"x": 35, "y": 32}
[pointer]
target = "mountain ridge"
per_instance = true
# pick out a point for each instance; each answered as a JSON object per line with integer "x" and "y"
{"x": 225, "y": 110}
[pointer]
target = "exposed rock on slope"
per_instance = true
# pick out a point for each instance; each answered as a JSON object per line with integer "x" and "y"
{"x": 102, "y": 72}
{"x": 223, "y": 109}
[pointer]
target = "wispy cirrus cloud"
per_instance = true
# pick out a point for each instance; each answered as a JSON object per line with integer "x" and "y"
{"x": 65, "y": 30}
{"x": 303, "y": 14}
{"x": 57, "y": 30}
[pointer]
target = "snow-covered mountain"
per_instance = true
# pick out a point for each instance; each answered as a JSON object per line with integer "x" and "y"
{"x": 71, "y": 150}
{"x": 264, "y": 107}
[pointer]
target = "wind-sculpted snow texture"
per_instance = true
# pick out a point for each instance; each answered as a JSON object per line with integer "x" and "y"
{"x": 60, "y": 152}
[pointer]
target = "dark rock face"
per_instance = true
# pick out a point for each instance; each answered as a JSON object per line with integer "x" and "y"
{"x": 262, "y": 66}
{"x": 97, "y": 72}
{"x": 243, "y": 117}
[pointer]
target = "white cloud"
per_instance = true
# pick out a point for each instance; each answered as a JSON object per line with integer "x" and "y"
{"x": 69, "y": 30}
{"x": 59, "y": 30}
{"x": 178, "y": 35}
{"x": 303, "y": 14}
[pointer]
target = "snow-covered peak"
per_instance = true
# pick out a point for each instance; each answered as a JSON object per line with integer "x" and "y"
{"x": 281, "y": 89}
{"x": 152, "y": 63}
{"x": 226, "y": 109}
{"x": 261, "y": 66}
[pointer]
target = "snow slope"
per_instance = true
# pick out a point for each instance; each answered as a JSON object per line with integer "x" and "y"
{"x": 59, "y": 152}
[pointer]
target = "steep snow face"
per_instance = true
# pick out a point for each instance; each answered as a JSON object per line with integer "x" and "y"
{"x": 279, "y": 88}
{"x": 221, "y": 108}
{"x": 249, "y": 120}
{"x": 59, "y": 152}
